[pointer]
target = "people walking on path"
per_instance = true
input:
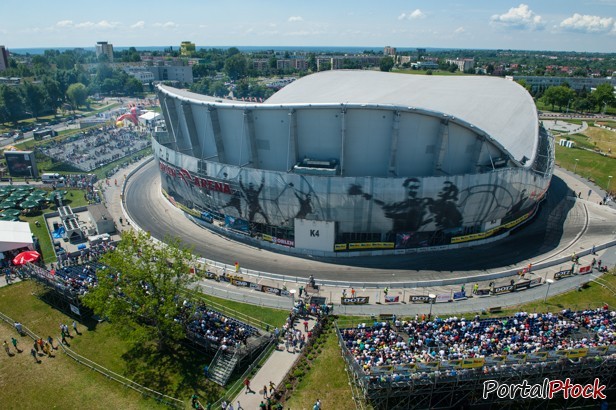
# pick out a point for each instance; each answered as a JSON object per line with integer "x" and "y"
{"x": 247, "y": 385}
{"x": 33, "y": 354}
{"x": 264, "y": 391}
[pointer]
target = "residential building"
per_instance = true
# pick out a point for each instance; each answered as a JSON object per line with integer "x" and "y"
{"x": 389, "y": 51}
{"x": 103, "y": 47}
{"x": 464, "y": 64}
{"x": 260, "y": 64}
{"x": 424, "y": 65}
{"x": 140, "y": 73}
{"x": 180, "y": 73}
{"x": 4, "y": 58}
{"x": 576, "y": 83}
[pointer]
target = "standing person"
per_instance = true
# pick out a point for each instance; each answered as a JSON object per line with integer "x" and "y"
{"x": 352, "y": 292}
{"x": 272, "y": 388}
{"x": 305, "y": 325}
{"x": 239, "y": 406}
{"x": 19, "y": 328}
{"x": 264, "y": 391}
{"x": 14, "y": 342}
{"x": 344, "y": 293}
{"x": 75, "y": 327}
{"x": 33, "y": 354}
{"x": 6, "y": 348}
{"x": 50, "y": 341}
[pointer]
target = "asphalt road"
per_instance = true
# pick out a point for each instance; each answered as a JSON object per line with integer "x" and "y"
{"x": 556, "y": 225}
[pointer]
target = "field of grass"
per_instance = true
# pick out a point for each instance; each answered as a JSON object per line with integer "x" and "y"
{"x": 326, "y": 380}
{"x": 57, "y": 382}
{"x": 590, "y": 165}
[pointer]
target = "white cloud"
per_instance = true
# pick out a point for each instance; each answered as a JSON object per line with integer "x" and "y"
{"x": 521, "y": 17}
{"x": 167, "y": 26}
{"x": 588, "y": 24}
{"x": 140, "y": 24}
{"x": 65, "y": 23}
{"x": 293, "y": 19}
{"x": 103, "y": 24}
{"x": 413, "y": 15}
{"x": 459, "y": 30}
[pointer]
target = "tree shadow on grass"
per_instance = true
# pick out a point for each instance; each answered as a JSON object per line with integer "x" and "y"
{"x": 177, "y": 371}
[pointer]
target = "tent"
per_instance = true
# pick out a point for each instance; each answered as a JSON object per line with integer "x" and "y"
{"x": 15, "y": 235}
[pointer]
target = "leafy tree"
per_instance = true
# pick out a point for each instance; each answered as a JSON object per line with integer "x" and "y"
{"x": 11, "y": 103}
{"x": 603, "y": 95}
{"x": 36, "y": 98}
{"x": 312, "y": 62}
{"x": 133, "y": 86}
{"x": 218, "y": 89}
{"x": 559, "y": 95}
{"x": 77, "y": 94}
{"x": 232, "y": 51}
{"x": 386, "y": 64}
{"x": 236, "y": 67}
{"x": 139, "y": 291}
{"x": 52, "y": 88}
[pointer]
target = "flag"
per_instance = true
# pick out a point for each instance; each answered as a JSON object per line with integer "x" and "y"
{"x": 392, "y": 299}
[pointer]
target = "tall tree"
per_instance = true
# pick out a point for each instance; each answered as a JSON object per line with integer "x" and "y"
{"x": 139, "y": 291}
{"x": 77, "y": 94}
{"x": 236, "y": 66}
{"x": 603, "y": 95}
{"x": 386, "y": 64}
{"x": 11, "y": 103}
{"x": 36, "y": 98}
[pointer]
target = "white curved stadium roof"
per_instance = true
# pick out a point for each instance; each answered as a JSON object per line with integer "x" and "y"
{"x": 501, "y": 108}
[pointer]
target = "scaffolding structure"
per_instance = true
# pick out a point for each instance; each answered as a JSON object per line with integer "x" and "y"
{"x": 464, "y": 389}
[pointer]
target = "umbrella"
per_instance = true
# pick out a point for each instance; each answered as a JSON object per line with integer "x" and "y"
{"x": 10, "y": 212}
{"x": 26, "y": 257}
{"x": 38, "y": 192}
{"x": 7, "y": 188}
{"x": 24, "y": 188}
{"x": 28, "y": 204}
{"x": 9, "y": 218}
{"x": 8, "y": 204}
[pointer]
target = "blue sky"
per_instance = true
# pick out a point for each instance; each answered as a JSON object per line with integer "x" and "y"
{"x": 578, "y": 25}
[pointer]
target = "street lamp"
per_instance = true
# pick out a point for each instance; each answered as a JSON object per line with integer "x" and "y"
{"x": 609, "y": 180}
{"x": 549, "y": 282}
{"x": 432, "y": 298}
{"x": 575, "y": 166}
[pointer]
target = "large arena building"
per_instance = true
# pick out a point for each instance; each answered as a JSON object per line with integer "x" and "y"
{"x": 344, "y": 161}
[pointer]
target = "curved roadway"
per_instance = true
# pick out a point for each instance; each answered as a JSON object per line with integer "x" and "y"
{"x": 558, "y": 223}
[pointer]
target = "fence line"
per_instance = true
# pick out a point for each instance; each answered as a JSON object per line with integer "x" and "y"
{"x": 160, "y": 397}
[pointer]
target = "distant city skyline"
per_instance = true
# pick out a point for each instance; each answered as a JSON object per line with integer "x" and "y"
{"x": 565, "y": 25}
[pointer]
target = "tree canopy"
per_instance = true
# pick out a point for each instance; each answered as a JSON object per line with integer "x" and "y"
{"x": 139, "y": 292}
{"x": 386, "y": 64}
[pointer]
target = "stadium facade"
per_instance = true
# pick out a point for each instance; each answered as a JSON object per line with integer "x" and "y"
{"x": 359, "y": 160}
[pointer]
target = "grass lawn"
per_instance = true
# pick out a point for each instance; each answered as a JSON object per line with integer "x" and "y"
{"x": 590, "y": 165}
{"x": 57, "y": 382}
{"x": 326, "y": 380}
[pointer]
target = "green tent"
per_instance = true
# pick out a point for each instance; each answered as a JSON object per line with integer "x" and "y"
{"x": 9, "y": 218}
{"x": 23, "y": 188}
{"x": 8, "y": 204}
{"x": 10, "y": 212}
{"x": 29, "y": 204}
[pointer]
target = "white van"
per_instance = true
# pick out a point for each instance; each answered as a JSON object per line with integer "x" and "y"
{"x": 52, "y": 179}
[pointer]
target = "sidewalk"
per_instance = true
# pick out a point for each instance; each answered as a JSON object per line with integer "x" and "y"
{"x": 273, "y": 370}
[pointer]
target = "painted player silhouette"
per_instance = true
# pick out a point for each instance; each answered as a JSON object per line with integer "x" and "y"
{"x": 251, "y": 195}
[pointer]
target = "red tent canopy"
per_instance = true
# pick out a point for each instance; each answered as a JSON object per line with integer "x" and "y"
{"x": 26, "y": 257}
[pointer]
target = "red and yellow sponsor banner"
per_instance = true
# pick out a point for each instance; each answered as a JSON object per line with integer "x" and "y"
{"x": 358, "y": 246}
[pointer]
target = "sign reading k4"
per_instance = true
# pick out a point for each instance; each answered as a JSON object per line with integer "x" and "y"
{"x": 315, "y": 235}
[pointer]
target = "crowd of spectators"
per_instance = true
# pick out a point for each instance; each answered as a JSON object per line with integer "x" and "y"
{"x": 95, "y": 148}
{"x": 215, "y": 328}
{"x": 421, "y": 341}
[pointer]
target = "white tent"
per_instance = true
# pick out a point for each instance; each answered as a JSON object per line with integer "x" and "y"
{"x": 149, "y": 117}
{"x": 14, "y": 235}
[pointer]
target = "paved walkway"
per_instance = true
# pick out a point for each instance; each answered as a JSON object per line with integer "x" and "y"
{"x": 273, "y": 370}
